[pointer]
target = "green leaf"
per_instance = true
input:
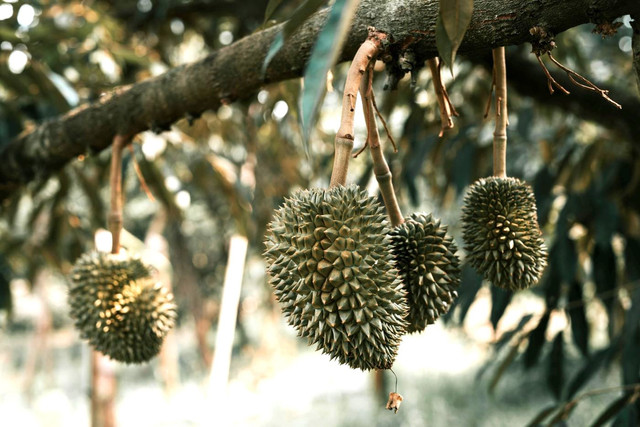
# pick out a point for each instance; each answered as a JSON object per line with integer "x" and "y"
{"x": 500, "y": 299}
{"x": 506, "y": 337}
{"x": 455, "y": 16}
{"x": 588, "y": 370}
{"x": 605, "y": 274}
{"x": 542, "y": 415}
{"x": 631, "y": 342}
{"x": 632, "y": 258}
{"x": 5, "y": 279}
{"x": 616, "y": 407}
{"x": 470, "y": 284}
{"x": 270, "y": 9}
{"x": 628, "y": 417}
{"x": 579, "y": 324}
{"x": 444, "y": 44}
{"x": 275, "y": 47}
{"x": 323, "y": 55}
{"x": 502, "y": 368}
{"x": 536, "y": 342}
{"x": 298, "y": 17}
{"x": 555, "y": 377}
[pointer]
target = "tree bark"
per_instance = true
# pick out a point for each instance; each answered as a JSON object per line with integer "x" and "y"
{"x": 234, "y": 72}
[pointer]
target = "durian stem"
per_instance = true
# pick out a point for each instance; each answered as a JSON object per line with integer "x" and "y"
{"x": 500, "y": 133}
{"x": 380, "y": 166}
{"x": 344, "y": 138}
{"x": 115, "y": 215}
{"x": 447, "y": 110}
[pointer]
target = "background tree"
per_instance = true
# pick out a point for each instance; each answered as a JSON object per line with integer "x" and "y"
{"x": 74, "y": 74}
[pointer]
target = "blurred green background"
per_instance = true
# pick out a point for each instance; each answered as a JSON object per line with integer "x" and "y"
{"x": 497, "y": 358}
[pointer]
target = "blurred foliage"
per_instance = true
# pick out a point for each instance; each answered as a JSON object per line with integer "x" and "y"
{"x": 586, "y": 179}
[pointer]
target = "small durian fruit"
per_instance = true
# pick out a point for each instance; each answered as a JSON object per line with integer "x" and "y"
{"x": 426, "y": 259}
{"x": 330, "y": 269}
{"x": 118, "y": 306}
{"x": 501, "y": 233}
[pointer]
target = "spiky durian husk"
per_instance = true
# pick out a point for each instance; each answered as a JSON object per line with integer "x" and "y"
{"x": 332, "y": 274}
{"x": 501, "y": 233}
{"x": 426, "y": 259}
{"x": 118, "y": 306}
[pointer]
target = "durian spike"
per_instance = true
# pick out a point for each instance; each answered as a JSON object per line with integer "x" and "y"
{"x": 115, "y": 214}
{"x": 380, "y": 166}
{"x": 500, "y": 132}
{"x": 344, "y": 138}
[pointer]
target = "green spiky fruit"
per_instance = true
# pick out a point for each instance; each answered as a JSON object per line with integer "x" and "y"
{"x": 331, "y": 272}
{"x": 501, "y": 233}
{"x": 118, "y": 306}
{"x": 426, "y": 259}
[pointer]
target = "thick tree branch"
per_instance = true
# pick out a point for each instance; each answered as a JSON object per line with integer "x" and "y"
{"x": 234, "y": 72}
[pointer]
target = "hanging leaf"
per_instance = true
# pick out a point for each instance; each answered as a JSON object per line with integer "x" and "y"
{"x": 560, "y": 419}
{"x": 579, "y": 324}
{"x": 323, "y": 55}
{"x": 632, "y": 259}
{"x": 270, "y": 9}
{"x": 444, "y": 44}
{"x": 455, "y": 17}
{"x": 470, "y": 284}
{"x": 555, "y": 377}
{"x": 298, "y": 17}
{"x": 500, "y": 299}
{"x": 542, "y": 415}
{"x": 275, "y": 47}
{"x": 536, "y": 342}
{"x": 588, "y": 370}
{"x": 605, "y": 275}
{"x": 628, "y": 417}
{"x": 631, "y": 342}
{"x": 542, "y": 187}
{"x": 616, "y": 406}
{"x": 502, "y": 368}
{"x": 506, "y": 337}
{"x": 566, "y": 258}
{"x": 5, "y": 291}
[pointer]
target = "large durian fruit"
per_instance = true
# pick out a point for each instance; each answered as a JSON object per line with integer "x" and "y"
{"x": 331, "y": 271}
{"x": 118, "y": 306}
{"x": 501, "y": 233}
{"x": 426, "y": 259}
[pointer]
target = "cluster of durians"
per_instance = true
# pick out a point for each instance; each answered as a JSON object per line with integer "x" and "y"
{"x": 354, "y": 286}
{"x": 351, "y": 284}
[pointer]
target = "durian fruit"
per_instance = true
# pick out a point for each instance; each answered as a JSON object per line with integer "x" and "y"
{"x": 501, "y": 233}
{"x": 426, "y": 259}
{"x": 118, "y": 306}
{"x": 330, "y": 269}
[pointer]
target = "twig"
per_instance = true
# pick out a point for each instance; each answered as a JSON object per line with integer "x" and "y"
{"x": 344, "y": 138}
{"x": 500, "y": 132}
{"x": 115, "y": 178}
{"x": 141, "y": 179}
{"x": 565, "y": 409}
{"x": 587, "y": 84}
{"x": 380, "y": 166}
{"x": 550, "y": 80}
{"x": 444, "y": 103}
{"x": 493, "y": 85}
{"x": 384, "y": 123}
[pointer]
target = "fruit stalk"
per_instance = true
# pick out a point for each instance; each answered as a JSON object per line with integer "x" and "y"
{"x": 115, "y": 214}
{"x": 380, "y": 166}
{"x": 344, "y": 137}
{"x": 500, "y": 132}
